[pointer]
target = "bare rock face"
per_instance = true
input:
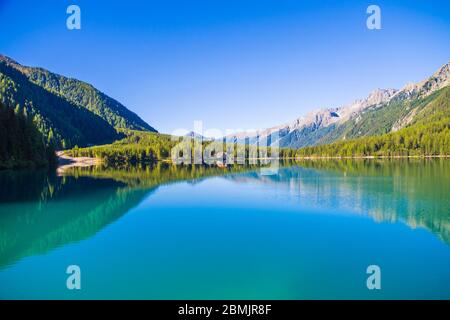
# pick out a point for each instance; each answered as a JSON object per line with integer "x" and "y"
{"x": 375, "y": 99}
{"x": 323, "y": 118}
{"x": 437, "y": 81}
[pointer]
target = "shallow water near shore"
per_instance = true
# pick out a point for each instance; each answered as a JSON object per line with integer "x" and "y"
{"x": 309, "y": 231}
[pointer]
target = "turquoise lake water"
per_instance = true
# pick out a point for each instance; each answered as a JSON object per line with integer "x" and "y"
{"x": 306, "y": 232}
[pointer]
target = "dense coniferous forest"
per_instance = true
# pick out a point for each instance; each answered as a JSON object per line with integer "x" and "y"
{"x": 421, "y": 139}
{"x": 136, "y": 147}
{"x": 85, "y": 95}
{"x": 431, "y": 139}
{"x": 68, "y": 112}
{"x": 140, "y": 147}
{"x": 21, "y": 144}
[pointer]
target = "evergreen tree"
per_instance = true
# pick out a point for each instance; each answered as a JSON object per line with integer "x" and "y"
{"x": 21, "y": 144}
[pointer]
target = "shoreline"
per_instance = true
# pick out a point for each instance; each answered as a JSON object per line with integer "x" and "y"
{"x": 66, "y": 162}
{"x": 369, "y": 157}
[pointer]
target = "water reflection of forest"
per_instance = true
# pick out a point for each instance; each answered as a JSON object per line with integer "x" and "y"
{"x": 41, "y": 211}
{"x": 414, "y": 191}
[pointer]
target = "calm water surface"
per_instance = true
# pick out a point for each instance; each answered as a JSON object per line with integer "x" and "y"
{"x": 308, "y": 232}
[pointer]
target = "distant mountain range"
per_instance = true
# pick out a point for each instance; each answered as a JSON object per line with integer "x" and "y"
{"x": 67, "y": 111}
{"x": 383, "y": 111}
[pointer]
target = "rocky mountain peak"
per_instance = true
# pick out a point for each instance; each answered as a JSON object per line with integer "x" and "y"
{"x": 438, "y": 80}
{"x": 379, "y": 96}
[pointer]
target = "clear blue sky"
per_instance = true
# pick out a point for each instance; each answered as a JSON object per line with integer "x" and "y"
{"x": 232, "y": 64}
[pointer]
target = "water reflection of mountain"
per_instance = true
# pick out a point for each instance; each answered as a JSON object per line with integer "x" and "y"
{"x": 66, "y": 210}
{"x": 40, "y": 211}
{"x": 414, "y": 191}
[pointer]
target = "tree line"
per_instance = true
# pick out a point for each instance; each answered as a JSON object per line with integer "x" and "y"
{"x": 21, "y": 143}
{"x": 427, "y": 135}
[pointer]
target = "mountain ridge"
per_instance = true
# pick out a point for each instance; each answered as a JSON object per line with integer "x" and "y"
{"x": 356, "y": 119}
{"x": 68, "y": 97}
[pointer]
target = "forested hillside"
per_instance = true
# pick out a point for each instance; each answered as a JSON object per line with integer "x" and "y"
{"x": 391, "y": 117}
{"x": 21, "y": 144}
{"x": 85, "y": 95}
{"x": 68, "y": 112}
{"x": 137, "y": 147}
{"x": 428, "y": 134}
